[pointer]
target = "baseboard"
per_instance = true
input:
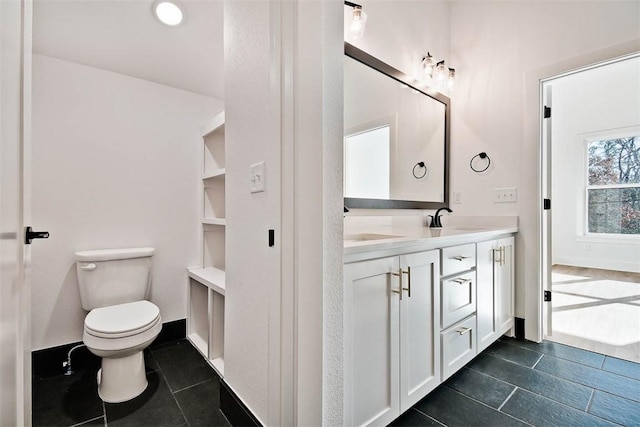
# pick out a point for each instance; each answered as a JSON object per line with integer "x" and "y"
{"x": 233, "y": 408}
{"x": 518, "y": 328}
{"x": 48, "y": 362}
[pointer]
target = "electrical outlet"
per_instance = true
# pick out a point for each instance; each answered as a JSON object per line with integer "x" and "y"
{"x": 457, "y": 197}
{"x": 505, "y": 195}
{"x": 256, "y": 177}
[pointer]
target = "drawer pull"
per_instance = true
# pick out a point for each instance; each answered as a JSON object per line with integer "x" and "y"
{"x": 460, "y": 257}
{"x": 463, "y": 330}
{"x": 461, "y": 280}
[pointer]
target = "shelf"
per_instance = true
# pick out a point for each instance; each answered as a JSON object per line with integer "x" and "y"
{"x": 199, "y": 343}
{"x": 215, "y": 174}
{"x": 213, "y": 125}
{"x": 212, "y": 277}
{"x": 214, "y": 221}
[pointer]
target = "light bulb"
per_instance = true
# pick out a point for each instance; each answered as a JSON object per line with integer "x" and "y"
{"x": 358, "y": 22}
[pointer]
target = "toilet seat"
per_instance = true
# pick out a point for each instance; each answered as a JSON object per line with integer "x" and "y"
{"x": 122, "y": 320}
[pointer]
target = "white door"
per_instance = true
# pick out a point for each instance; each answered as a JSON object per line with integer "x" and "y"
{"x": 547, "y": 259}
{"x": 419, "y": 326}
{"x": 371, "y": 342}
{"x": 15, "y": 77}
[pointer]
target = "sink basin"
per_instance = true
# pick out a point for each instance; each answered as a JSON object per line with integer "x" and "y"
{"x": 365, "y": 237}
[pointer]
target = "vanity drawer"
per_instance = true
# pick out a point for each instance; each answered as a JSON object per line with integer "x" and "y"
{"x": 458, "y": 295}
{"x": 458, "y": 345}
{"x": 457, "y": 259}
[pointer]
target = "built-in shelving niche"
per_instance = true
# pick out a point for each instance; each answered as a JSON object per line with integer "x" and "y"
{"x": 207, "y": 282}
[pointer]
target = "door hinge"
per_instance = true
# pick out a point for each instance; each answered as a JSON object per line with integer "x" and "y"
{"x": 547, "y": 296}
{"x": 546, "y": 205}
{"x": 546, "y": 112}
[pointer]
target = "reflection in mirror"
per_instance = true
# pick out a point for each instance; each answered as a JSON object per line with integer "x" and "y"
{"x": 395, "y": 138}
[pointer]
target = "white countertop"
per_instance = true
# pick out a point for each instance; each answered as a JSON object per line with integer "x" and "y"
{"x": 385, "y": 236}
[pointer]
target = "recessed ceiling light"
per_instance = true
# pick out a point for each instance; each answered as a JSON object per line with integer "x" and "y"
{"x": 168, "y": 12}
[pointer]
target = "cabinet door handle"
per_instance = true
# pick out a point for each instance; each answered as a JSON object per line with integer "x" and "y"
{"x": 497, "y": 255}
{"x": 461, "y": 280}
{"x": 399, "y": 291}
{"x": 463, "y": 330}
{"x": 503, "y": 255}
{"x": 408, "y": 273}
{"x": 460, "y": 257}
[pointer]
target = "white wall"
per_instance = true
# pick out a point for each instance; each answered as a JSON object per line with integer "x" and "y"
{"x": 115, "y": 164}
{"x": 596, "y": 103}
{"x": 497, "y": 48}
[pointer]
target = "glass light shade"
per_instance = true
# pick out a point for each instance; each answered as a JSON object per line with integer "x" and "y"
{"x": 427, "y": 64}
{"x": 441, "y": 73}
{"x": 451, "y": 80}
{"x": 358, "y": 22}
{"x": 168, "y": 13}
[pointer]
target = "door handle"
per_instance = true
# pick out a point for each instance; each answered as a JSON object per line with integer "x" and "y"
{"x": 29, "y": 235}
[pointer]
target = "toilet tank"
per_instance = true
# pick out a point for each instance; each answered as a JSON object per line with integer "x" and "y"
{"x": 113, "y": 276}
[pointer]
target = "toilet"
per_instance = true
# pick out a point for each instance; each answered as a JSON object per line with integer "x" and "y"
{"x": 114, "y": 285}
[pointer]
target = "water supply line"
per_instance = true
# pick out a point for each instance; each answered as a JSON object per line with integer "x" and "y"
{"x": 67, "y": 364}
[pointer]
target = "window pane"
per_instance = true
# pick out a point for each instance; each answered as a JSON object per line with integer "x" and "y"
{"x": 614, "y": 210}
{"x": 615, "y": 161}
{"x": 367, "y": 170}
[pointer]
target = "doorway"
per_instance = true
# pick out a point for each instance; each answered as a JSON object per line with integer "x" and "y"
{"x": 591, "y": 173}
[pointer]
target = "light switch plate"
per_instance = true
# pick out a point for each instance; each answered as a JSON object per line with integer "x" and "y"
{"x": 256, "y": 177}
{"x": 457, "y": 197}
{"x": 505, "y": 195}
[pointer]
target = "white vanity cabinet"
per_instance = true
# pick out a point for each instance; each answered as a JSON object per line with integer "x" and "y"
{"x": 495, "y": 284}
{"x": 391, "y": 335}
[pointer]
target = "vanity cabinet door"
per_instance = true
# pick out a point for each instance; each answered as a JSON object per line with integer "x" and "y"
{"x": 371, "y": 342}
{"x": 495, "y": 285}
{"x": 504, "y": 284}
{"x": 487, "y": 322}
{"x": 419, "y": 329}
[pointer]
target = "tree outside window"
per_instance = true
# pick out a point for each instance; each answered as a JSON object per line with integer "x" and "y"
{"x": 613, "y": 186}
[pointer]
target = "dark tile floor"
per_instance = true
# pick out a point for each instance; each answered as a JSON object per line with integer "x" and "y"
{"x": 524, "y": 383}
{"x": 183, "y": 391}
{"x": 511, "y": 383}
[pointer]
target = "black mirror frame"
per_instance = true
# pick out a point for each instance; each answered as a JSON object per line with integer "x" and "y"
{"x": 373, "y": 62}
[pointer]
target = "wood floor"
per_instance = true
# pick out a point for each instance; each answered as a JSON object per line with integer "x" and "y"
{"x": 597, "y": 310}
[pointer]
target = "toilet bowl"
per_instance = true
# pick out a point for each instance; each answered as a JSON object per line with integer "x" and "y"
{"x": 119, "y": 334}
{"x": 114, "y": 285}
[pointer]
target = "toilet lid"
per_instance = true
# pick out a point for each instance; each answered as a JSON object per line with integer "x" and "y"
{"x": 122, "y": 318}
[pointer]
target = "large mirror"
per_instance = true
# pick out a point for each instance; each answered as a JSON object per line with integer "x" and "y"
{"x": 396, "y": 137}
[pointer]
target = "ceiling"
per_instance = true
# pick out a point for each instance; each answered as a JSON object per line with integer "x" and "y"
{"x": 123, "y": 36}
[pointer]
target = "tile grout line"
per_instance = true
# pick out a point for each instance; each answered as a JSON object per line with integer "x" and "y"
{"x": 193, "y": 385}
{"x": 484, "y": 404}
{"x": 557, "y": 356}
{"x": 104, "y": 412}
{"x": 531, "y": 391}
{"x": 603, "y": 360}
{"x": 86, "y": 421}
{"x": 428, "y": 416}
{"x": 537, "y": 361}
{"x": 507, "y": 399}
{"x": 593, "y": 392}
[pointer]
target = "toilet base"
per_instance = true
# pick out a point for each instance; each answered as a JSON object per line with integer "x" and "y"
{"x": 121, "y": 379}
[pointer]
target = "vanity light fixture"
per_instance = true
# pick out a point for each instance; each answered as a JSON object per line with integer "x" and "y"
{"x": 168, "y": 12}
{"x": 441, "y": 77}
{"x": 358, "y": 20}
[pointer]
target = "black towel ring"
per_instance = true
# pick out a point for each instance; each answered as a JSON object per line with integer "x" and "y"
{"x": 482, "y": 155}
{"x": 422, "y": 165}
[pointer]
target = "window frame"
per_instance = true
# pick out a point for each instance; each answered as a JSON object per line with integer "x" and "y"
{"x": 591, "y": 236}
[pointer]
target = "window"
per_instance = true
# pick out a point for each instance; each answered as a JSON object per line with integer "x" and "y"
{"x": 613, "y": 186}
{"x": 366, "y": 169}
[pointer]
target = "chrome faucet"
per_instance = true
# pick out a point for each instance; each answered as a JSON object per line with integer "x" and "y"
{"x": 435, "y": 219}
